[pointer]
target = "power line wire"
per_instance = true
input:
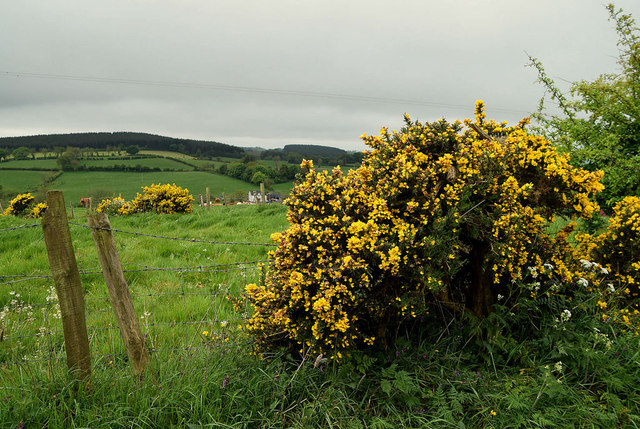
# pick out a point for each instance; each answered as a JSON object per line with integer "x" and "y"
{"x": 297, "y": 93}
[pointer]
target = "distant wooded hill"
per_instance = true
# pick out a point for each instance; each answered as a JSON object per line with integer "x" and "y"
{"x": 197, "y": 148}
{"x": 120, "y": 140}
{"x": 327, "y": 154}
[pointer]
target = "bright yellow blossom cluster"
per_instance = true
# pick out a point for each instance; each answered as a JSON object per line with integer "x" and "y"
{"x": 447, "y": 212}
{"x": 111, "y": 206}
{"x": 617, "y": 249}
{"x": 38, "y": 210}
{"x": 166, "y": 199}
{"x": 19, "y": 205}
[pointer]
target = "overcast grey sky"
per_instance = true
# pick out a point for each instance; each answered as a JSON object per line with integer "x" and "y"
{"x": 270, "y": 73}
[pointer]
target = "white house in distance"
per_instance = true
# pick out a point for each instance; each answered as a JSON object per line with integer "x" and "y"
{"x": 255, "y": 197}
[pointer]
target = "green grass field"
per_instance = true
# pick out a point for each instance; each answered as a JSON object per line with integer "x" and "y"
{"x": 166, "y": 154}
{"x": 81, "y": 184}
{"x": 87, "y": 183}
{"x": 51, "y": 164}
{"x": 22, "y": 180}
{"x": 161, "y": 163}
{"x": 41, "y": 164}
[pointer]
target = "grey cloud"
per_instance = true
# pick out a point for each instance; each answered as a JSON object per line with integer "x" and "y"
{"x": 445, "y": 53}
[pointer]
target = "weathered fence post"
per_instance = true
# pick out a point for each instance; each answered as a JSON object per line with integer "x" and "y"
{"x": 224, "y": 199}
{"x": 208, "y": 199}
{"x": 71, "y": 206}
{"x": 119, "y": 292}
{"x": 201, "y": 202}
{"x": 263, "y": 197}
{"x": 66, "y": 278}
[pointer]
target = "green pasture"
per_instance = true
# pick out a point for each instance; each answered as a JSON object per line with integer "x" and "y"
{"x": 26, "y": 164}
{"x": 51, "y": 164}
{"x": 80, "y": 184}
{"x": 22, "y": 181}
{"x": 165, "y": 153}
{"x": 178, "y": 286}
{"x": 161, "y": 163}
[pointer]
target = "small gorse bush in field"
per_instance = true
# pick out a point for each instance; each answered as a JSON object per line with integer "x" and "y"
{"x": 438, "y": 212}
{"x": 24, "y": 205}
{"x": 165, "y": 199}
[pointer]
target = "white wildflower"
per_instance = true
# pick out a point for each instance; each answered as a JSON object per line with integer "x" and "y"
{"x": 611, "y": 288}
{"x": 604, "y": 271}
{"x": 565, "y": 316}
{"x": 586, "y": 264}
{"x": 582, "y": 282}
{"x": 548, "y": 267}
{"x": 500, "y": 297}
{"x": 558, "y": 366}
{"x": 533, "y": 271}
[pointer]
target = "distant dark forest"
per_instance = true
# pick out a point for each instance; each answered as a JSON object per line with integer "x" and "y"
{"x": 120, "y": 140}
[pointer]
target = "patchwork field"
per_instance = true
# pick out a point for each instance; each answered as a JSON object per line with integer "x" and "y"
{"x": 81, "y": 184}
{"x": 21, "y": 176}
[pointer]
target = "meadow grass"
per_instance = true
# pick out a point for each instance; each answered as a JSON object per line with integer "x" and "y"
{"x": 166, "y": 153}
{"x": 162, "y": 163}
{"x": 51, "y": 164}
{"x": 21, "y": 181}
{"x": 27, "y": 164}
{"x": 81, "y": 184}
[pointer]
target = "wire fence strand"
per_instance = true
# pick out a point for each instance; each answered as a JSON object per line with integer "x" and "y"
{"x": 20, "y": 227}
{"x": 192, "y": 240}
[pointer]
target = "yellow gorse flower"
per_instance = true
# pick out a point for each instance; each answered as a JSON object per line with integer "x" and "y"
{"x": 430, "y": 202}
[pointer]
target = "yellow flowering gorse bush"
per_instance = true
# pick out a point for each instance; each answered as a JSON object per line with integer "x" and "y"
{"x": 166, "y": 199}
{"x": 19, "y": 205}
{"x": 38, "y": 210}
{"x": 438, "y": 212}
{"x": 617, "y": 249}
{"x": 111, "y": 206}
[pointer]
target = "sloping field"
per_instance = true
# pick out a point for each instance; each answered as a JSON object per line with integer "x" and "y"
{"x": 145, "y": 162}
{"x": 47, "y": 164}
{"x": 22, "y": 181}
{"x": 81, "y": 184}
{"x": 51, "y": 164}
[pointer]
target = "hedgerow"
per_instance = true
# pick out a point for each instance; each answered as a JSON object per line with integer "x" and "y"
{"x": 442, "y": 213}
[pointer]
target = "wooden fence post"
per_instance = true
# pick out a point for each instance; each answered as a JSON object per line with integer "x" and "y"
{"x": 224, "y": 199}
{"x": 263, "y": 197}
{"x": 66, "y": 278}
{"x": 208, "y": 199}
{"x": 119, "y": 292}
{"x": 71, "y": 206}
{"x": 201, "y": 202}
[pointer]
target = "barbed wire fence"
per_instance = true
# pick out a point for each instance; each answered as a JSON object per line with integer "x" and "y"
{"x": 181, "y": 311}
